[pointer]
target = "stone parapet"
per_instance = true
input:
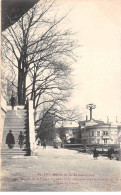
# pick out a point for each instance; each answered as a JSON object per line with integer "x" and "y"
{"x": 31, "y": 128}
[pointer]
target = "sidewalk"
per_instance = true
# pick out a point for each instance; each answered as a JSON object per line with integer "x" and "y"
{"x": 61, "y": 170}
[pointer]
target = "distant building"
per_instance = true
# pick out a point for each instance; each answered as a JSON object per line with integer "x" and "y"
{"x": 68, "y": 131}
{"x": 98, "y": 132}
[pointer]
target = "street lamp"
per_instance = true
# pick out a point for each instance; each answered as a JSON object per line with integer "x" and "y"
{"x": 90, "y": 107}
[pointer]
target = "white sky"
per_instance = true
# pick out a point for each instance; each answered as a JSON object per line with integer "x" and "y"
{"x": 98, "y": 70}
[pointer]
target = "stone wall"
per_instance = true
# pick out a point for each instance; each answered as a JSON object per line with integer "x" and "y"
{"x": 2, "y": 116}
{"x": 31, "y": 128}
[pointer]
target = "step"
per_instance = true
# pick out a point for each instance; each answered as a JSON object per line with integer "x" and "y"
{"x": 14, "y": 134}
{"x": 17, "y": 110}
{"x": 23, "y": 117}
{"x": 11, "y": 154}
{"x": 15, "y": 151}
{"x": 15, "y": 137}
{"x": 15, "y": 120}
{"x": 14, "y": 124}
{"x": 12, "y": 150}
{"x": 16, "y": 142}
{"x": 22, "y": 107}
{"x": 15, "y": 115}
{"x": 15, "y": 128}
{"x": 11, "y": 118}
{"x": 16, "y": 146}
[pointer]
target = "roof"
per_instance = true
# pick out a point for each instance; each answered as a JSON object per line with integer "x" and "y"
{"x": 92, "y": 122}
{"x": 89, "y": 124}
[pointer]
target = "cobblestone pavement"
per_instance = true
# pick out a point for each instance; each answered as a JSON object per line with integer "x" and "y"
{"x": 60, "y": 170}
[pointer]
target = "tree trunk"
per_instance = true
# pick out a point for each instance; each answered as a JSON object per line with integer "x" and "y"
{"x": 19, "y": 82}
{"x": 21, "y": 85}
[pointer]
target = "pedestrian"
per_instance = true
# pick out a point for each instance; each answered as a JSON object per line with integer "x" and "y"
{"x": 13, "y": 101}
{"x": 110, "y": 152}
{"x": 21, "y": 139}
{"x": 10, "y": 140}
{"x": 44, "y": 144}
{"x": 39, "y": 141}
{"x": 95, "y": 153}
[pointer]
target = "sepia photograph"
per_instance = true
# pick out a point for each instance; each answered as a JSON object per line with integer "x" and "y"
{"x": 60, "y": 96}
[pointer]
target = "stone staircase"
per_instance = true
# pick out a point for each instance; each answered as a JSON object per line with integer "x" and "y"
{"x": 15, "y": 120}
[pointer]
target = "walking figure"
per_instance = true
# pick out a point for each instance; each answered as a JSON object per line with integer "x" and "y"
{"x": 21, "y": 139}
{"x": 44, "y": 144}
{"x": 95, "y": 154}
{"x": 10, "y": 140}
{"x": 110, "y": 152}
{"x": 13, "y": 101}
{"x": 39, "y": 141}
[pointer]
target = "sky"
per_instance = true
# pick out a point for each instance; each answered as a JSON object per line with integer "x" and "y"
{"x": 97, "y": 71}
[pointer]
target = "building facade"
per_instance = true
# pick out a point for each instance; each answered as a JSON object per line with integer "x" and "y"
{"x": 98, "y": 132}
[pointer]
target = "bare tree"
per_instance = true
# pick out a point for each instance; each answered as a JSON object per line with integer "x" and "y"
{"x": 55, "y": 115}
{"x": 43, "y": 53}
{"x": 8, "y": 80}
{"x": 34, "y": 40}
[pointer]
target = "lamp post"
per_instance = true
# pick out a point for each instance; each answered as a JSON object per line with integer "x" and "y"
{"x": 90, "y": 107}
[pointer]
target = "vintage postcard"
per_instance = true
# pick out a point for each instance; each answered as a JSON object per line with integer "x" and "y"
{"x": 60, "y": 128}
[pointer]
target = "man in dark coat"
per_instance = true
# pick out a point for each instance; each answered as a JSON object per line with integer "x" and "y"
{"x": 95, "y": 153}
{"x": 110, "y": 152}
{"x": 13, "y": 101}
{"x": 10, "y": 140}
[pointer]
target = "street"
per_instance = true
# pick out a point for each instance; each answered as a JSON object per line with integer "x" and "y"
{"x": 60, "y": 170}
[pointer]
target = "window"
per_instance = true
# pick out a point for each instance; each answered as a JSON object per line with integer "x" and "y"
{"x": 98, "y": 133}
{"x": 105, "y": 132}
{"x": 105, "y": 141}
{"x": 98, "y": 141}
{"x": 92, "y": 133}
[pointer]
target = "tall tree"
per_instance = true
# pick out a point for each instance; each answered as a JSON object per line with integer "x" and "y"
{"x": 34, "y": 40}
{"x": 43, "y": 53}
